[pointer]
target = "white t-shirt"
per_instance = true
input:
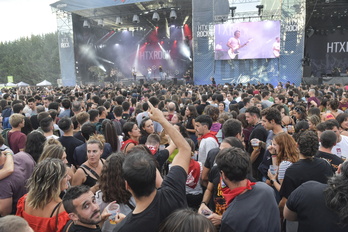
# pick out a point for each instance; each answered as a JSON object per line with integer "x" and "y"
{"x": 204, "y": 147}
{"x": 341, "y": 148}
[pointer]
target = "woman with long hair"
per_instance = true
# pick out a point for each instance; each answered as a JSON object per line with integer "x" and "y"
{"x": 112, "y": 188}
{"x": 110, "y": 135}
{"x": 56, "y": 151}
{"x": 88, "y": 173}
{"x": 190, "y": 115}
{"x": 131, "y": 136}
{"x": 287, "y": 153}
{"x": 146, "y": 128}
{"x": 42, "y": 207}
{"x": 313, "y": 121}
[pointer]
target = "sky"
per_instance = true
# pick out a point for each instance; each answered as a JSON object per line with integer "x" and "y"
{"x": 23, "y": 18}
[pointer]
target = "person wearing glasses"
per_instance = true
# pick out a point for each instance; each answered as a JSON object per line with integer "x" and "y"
{"x": 300, "y": 114}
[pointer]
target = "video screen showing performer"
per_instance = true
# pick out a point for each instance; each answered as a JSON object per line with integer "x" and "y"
{"x": 276, "y": 47}
{"x": 247, "y": 40}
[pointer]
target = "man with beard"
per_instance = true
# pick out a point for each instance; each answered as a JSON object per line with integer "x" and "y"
{"x": 79, "y": 202}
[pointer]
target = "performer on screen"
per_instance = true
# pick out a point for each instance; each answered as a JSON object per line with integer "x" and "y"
{"x": 234, "y": 45}
{"x": 276, "y": 47}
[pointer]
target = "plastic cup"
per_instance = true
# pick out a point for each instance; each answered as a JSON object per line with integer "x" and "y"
{"x": 255, "y": 143}
{"x": 290, "y": 129}
{"x": 113, "y": 209}
{"x": 274, "y": 159}
{"x": 206, "y": 213}
{"x": 273, "y": 169}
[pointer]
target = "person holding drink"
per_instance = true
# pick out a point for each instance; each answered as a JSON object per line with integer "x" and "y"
{"x": 284, "y": 153}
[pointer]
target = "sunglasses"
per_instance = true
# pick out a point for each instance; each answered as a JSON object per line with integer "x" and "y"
{"x": 297, "y": 109}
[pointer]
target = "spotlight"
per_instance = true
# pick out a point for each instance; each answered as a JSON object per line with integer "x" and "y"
{"x": 118, "y": 20}
{"x": 136, "y": 19}
{"x": 173, "y": 14}
{"x": 86, "y": 24}
{"x": 155, "y": 16}
{"x": 260, "y": 7}
{"x": 233, "y": 10}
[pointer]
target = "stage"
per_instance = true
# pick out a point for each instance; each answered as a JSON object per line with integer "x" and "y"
{"x": 343, "y": 80}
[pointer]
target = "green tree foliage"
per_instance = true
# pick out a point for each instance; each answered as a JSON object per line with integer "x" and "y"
{"x": 31, "y": 60}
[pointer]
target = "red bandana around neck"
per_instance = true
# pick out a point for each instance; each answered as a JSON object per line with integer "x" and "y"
{"x": 152, "y": 149}
{"x": 207, "y": 135}
{"x": 230, "y": 194}
{"x": 194, "y": 174}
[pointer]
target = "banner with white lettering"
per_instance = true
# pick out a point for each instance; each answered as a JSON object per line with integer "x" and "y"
{"x": 328, "y": 53}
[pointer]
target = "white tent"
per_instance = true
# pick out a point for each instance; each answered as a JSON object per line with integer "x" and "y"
{"x": 10, "y": 84}
{"x": 22, "y": 84}
{"x": 44, "y": 83}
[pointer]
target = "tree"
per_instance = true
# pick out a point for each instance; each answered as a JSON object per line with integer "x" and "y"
{"x": 31, "y": 60}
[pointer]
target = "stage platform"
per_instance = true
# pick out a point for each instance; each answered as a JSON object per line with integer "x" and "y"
{"x": 326, "y": 80}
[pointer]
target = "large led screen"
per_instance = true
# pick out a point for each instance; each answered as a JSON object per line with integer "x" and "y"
{"x": 247, "y": 40}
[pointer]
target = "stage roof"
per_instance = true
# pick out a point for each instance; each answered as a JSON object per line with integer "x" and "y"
{"x": 108, "y": 10}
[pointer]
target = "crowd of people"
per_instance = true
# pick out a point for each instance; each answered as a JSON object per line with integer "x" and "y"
{"x": 210, "y": 158}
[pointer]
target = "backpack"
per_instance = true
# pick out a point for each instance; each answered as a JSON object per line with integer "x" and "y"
{"x": 4, "y": 134}
{"x": 6, "y": 118}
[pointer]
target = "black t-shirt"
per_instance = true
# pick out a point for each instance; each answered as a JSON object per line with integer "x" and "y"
{"x": 302, "y": 171}
{"x": 200, "y": 108}
{"x": 78, "y": 228}
{"x": 79, "y": 136}
{"x": 161, "y": 156}
{"x": 70, "y": 143}
{"x": 125, "y": 116}
{"x": 189, "y": 124}
{"x": 170, "y": 197}
{"x": 209, "y": 162}
{"x": 308, "y": 201}
{"x": 218, "y": 205}
{"x": 333, "y": 160}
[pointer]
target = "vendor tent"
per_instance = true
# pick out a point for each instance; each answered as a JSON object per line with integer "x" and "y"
{"x": 44, "y": 83}
{"x": 10, "y": 84}
{"x": 22, "y": 84}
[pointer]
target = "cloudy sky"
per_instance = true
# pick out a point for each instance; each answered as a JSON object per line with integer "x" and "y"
{"x": 21, "y": 18}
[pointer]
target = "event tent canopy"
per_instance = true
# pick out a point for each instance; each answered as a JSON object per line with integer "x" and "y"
{"x": 44, "y": 83}
{"x": 22, "y": 84}
{"x": 10, "y": 84}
